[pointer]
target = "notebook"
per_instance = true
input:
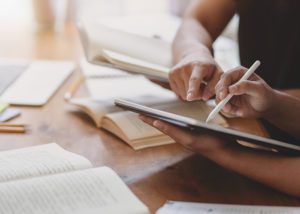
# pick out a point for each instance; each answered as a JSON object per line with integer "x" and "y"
{"x": 49, "y": 179}
{"x": 33, "y": 83}
{"x": 176, "y": 207}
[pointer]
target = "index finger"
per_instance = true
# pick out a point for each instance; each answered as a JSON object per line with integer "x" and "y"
{"x": 227, "y": 79}
{"x": 194, "y": 83}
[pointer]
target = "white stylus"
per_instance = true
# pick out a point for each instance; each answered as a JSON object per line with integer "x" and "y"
{"x": 221, "y": 105}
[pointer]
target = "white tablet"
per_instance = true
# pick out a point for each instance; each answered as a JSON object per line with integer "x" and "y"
{"x": 38, "y": 81}
{"x": 196, "y": 125}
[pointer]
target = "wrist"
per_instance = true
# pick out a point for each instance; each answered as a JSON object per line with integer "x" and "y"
{"x": 228, "y": 155}
{"x": 274, "y": 105}
{"x": 197, "y": 49}
{"x": 222, "y": 153}
{"x": 191, "y": 48}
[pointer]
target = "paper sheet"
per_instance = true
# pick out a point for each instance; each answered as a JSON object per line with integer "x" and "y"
{"x": 89, "y": 191}
{"x": 37, "y": 161}
{"x": 125, "y": 87}
{"x": 173, "y": 207}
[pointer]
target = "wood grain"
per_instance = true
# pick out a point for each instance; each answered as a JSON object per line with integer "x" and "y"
{"x": 155, "y": 175}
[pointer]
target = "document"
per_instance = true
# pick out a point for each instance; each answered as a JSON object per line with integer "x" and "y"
{"x": 174, "y": 207}
{"x": 49, "y": 179}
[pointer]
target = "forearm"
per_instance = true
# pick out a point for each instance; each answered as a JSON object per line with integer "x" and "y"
{"x": 191, "y": 37}
{"x": 293, "y": 92}
{"x": 203, "y": 22}
{"x": 277, "y": 171}
{"x": 285, "y": 113}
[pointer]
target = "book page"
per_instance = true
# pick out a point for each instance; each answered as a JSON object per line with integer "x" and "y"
{"x": 137, "y": 65}
{"x": 38, "y": 161}
{"x": 104, "y": 91}
{"x": 173, "y": 207}
{"x": 160, "y": 26}
{"x": 95, "y": 109}
{"x": 132, "y": 127}
{"x": 148, "y": 49}
{"x": 131, "y": 87}
{"x": 90, "y": 191}
{"x": 99, "y": 71}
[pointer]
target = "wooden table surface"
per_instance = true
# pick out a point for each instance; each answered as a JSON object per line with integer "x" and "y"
{"x": 155, "y": 175}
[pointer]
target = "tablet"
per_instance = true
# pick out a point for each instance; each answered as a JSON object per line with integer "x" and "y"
{"x": 37, "y": 83}
{"x": 196, "y": 125}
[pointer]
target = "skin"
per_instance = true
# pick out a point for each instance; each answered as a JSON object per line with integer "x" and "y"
{"x": 195, "y": 72}
{"x": 253, "y": 98}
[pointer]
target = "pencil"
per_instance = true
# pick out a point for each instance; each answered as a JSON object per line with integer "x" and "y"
{"x": 69, "y": 94}
{"x": 16, "y": 130}
{"x": 12, "y": 125}
{"x": 3, "y": 106}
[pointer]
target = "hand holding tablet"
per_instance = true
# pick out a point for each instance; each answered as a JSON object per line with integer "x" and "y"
{"x": 196, "y": 126}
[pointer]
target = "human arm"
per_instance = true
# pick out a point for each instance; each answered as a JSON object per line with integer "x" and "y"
{"x": 203, "y": 22}
{"x": 277, "y": 171}
{"x": 293, "y": 92}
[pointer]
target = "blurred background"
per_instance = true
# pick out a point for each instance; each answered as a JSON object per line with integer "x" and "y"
{"x": 29, "y": 11}
{"x": 23, "y": 22}
{"x": 28, "y": 23}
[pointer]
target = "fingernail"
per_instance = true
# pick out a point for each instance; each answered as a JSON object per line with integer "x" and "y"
{"x": 226, "y": 108}
{"x": 157, "y": 124}
{"x": 189, "y": 96}
{"x": 222, "y": 95}
{"x": 239, "y": 113}
{"x": 205, "y": 98}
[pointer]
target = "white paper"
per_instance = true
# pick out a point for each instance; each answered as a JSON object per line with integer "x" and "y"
{"x": 38, "y": 83}
{"x": 88, "y": 191}
{"x": 37, "y": 161}
{"x": 98, "y": 71}
{"x": 173, "y": 207}
{"x": 125, "y": 87}
{"x": 146, "y": 25}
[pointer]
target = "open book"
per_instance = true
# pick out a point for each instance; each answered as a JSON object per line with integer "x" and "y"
{"x": 122, "y": 42}
{"x": 125, "y": 124}
{"x": 135, "y": 53}
{"x": 49, "y": 179}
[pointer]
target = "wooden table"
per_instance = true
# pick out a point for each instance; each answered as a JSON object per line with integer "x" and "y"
{"x": 154, "y": 175}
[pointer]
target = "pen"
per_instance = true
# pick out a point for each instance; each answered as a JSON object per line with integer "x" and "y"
{"x": 68, "y": 95}
{"x": 221, "y": 105}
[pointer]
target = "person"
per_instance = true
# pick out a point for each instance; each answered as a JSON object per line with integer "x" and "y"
{"x": 269, "y": 31}
{"x": 253, "y": 98}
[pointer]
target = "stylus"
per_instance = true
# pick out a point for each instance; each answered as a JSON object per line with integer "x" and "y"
{"x": 221, "y": 105}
